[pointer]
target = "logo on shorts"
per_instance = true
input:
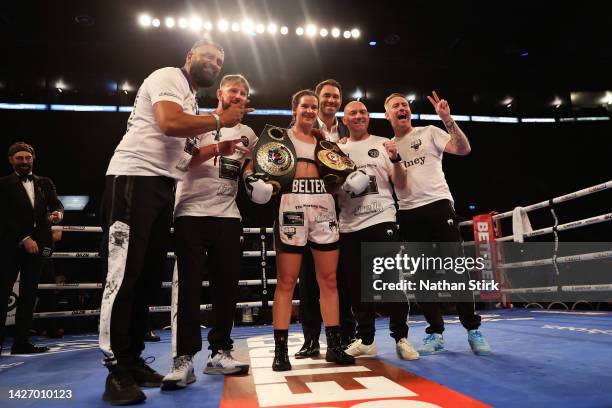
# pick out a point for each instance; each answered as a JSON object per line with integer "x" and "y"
{"x": 416, "y": 144}
{"x": 333, "y": 226}
{"x": 373, "y": 153}
{"x": 289, "y": 232}
{"x": 293, "y": 218}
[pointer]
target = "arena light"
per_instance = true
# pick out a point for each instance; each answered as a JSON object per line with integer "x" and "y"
{"x": 557, "y": 103}
{"x": 169, "y": 21}
{"x": 299, "y": 31}
{"x": 355, "y": 33}
{"x": 538, "y": 120}
{"x": 23, "y": 106}
{"x": 260, "y": 28}
{"x": 272, "y": 28}
{"x": 84, "y": 108}
{"x": 311, "y": 30}
{"x": 155, "y": 22}
{"x": 60, "y": 86}
{"x": 208, "y": 26}
{"x": 358, "y": 94}
{"x": 372, "y": 43}
{"x": 247, "y": 26}
{"x": 195, "y": 23}
{"x": 235, "y": 27}
{"x": 126, "y": 87}
{"x": 607, "y": 100}
{"x": 411, "y": 97}
{"x": 144, "y": 20}
{"x": 346, "y": 34}
{"x": 222, "y": 25}
{"x": 335, "y": 32}
{"x": 323, "y": 33}
{"x": 284, "y": 30}
{"x": 183, "y": 23}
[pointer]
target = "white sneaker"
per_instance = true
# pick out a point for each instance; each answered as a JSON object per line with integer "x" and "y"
{"x": 223, "y": 363}
{"x": 358, "y": 349}
{"x": 181, "y": 374}
{"x": 405, "y": 351}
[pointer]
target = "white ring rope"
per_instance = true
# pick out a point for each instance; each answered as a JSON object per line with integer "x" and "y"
{"x": 93, "y": 255}
{"x": 96, "y": 312}
{"x": 81, "y": 228}
{"x": 563, "y": 227}
{"x": 167, "y": 285}
{"x": 567, "y": 197}
{"x": 561, "y": 259}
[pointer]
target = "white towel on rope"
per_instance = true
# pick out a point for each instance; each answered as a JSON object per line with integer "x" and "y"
{"x": 520, "y": 224}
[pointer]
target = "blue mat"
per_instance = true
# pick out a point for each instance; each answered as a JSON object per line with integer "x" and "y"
{"x": 539, "y": 359}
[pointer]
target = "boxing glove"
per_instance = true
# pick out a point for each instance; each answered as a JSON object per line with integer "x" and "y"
{"x": 356, "y": 182}
{"x": 258, "y": 190}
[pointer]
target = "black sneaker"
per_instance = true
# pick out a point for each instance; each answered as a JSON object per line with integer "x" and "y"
{"x": 144, "y": 375}
{"x": 121, "y": 389}
{"x": 28, "y": 348}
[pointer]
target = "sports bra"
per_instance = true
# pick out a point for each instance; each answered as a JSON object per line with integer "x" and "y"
{"x": 303, "y": 150}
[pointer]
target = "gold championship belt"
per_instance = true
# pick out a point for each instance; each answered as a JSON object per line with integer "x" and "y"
{"x": 334, "y": 165}
{"x": 274, "y": 155}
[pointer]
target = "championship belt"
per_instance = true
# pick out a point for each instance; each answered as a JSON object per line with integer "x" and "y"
{"x": 274, "y": 155}
{"x": 334, "y": 165}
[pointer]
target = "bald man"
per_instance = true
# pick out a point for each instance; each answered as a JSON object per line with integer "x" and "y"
{"x": 367, "y": 214}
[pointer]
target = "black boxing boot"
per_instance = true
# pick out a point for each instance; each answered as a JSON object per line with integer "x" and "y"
{"x": 310, "y": 348}
{"x": 281, "y": 354}
{"x": 335, "y": 353}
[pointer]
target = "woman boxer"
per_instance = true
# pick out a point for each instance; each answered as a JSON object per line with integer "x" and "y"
{"x": 306, "y": 219}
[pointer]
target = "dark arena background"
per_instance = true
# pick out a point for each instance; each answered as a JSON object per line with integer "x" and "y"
{"x": 530, "y": 84}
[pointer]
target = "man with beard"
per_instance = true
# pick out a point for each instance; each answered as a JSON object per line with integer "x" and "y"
{"x": 29, "y": 205}
{"x": 330, "y": 99}
{"x": 138, "y": 204}
{"x": 208, "y": 230}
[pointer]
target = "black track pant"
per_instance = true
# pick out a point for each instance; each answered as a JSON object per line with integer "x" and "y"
{"x": 137, "y": 214}
{"x": 350, "y": 268}
{"x": 436, "y": 222}
{"x": 213, "y": 242}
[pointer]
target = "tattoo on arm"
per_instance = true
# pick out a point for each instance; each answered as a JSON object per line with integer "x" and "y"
{"x": 458, "y": 138}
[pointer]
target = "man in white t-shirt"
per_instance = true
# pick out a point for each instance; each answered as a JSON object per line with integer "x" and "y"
{"x": 207, "y": 221}
{"x": 329, "y": 92}
{"x": 426, "y": 212}
{"x": 368, "y": 215}
{"x": 138, "y": 204}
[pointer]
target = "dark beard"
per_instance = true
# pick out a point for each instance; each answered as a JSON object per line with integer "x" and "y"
{"x": 23, "y": 170}
{"x": 200, "y": 76}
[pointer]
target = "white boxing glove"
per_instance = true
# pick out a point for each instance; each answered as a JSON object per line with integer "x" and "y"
{"x": 258, "y": 190}
{"x": 356, "y": 182}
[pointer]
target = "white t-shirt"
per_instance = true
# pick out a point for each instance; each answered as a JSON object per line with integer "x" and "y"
{"x": 375, "y": 205}
{"x": 209, "y": 190}
{"x": 421, "y": 151}
{"x": 144, "y": 149}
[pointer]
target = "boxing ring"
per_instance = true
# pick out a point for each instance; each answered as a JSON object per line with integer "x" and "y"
{"x": 547, "y": 357}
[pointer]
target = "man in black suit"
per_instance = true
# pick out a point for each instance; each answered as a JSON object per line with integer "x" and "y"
{"x": 28, "y": 207}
